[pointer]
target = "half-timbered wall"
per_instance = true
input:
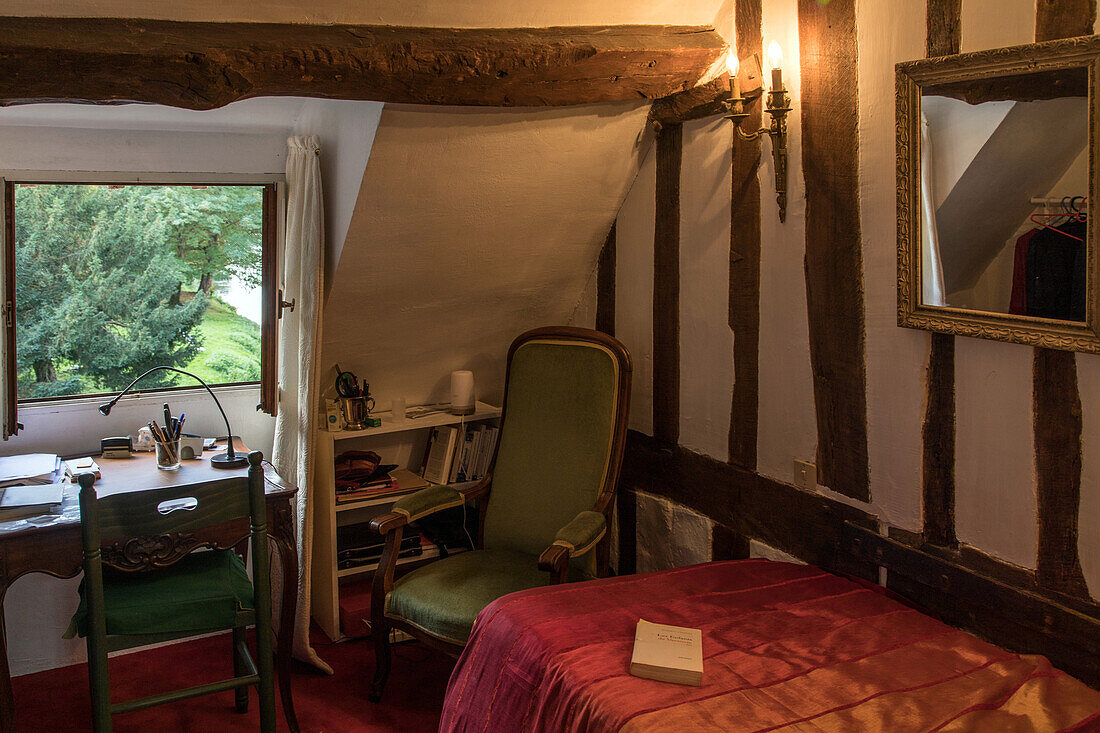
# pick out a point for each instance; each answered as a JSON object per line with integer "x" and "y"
{"x": 943, "y": 438}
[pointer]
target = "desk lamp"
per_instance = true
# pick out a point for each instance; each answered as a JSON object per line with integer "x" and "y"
{"x": 229, "y": 459}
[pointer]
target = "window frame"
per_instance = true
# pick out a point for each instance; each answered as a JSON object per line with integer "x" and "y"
{"x": 273, "y": 212}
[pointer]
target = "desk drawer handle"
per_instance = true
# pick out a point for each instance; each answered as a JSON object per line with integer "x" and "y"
{"x": 188, "y": 504}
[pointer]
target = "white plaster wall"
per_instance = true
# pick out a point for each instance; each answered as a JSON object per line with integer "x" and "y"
{"x": 473, "y": 226}
{"x": 994, "y": 449}
{"x": 670, "y": 535}
{"x": 634, "y": 289}
{"x": 444, "y": 13}
{"x": 759, "y": 549}
{"x": 706, "y": 340}
{"x": 788, "y": 426}
{"x": 1088, "y": 382}
{"x": 995, "y": 23}
{"x": 346, "y": 130}
{"x": 896, "y": 358}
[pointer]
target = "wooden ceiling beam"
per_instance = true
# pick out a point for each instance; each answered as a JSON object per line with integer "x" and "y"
{"x": 198, "y": 65}
{"x": 710, "y": 98}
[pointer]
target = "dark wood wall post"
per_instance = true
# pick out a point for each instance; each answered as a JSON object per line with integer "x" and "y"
{"x": 666, "y": 286}
{"x": 744, "y": 300}
{"x": 1056, "y": 398}
{"x": 938, "y": 432}
{"x": 605, "y": 285}
{"x": 834, "y": 254}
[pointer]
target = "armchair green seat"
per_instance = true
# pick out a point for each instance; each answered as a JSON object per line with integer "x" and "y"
{"x": 563, "y": 430}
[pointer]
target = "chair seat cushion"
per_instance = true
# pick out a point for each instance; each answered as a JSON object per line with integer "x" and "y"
{"x": 444, "y": 597}
{"x": 204, "y": 591}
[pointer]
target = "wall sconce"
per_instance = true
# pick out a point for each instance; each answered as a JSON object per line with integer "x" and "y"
{"x": 778, "y": 105}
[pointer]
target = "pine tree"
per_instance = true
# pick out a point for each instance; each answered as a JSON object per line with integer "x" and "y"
{"x": 97, "y": 291}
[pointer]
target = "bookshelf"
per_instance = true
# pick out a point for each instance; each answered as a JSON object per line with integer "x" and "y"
{"x": 336, "y": 592}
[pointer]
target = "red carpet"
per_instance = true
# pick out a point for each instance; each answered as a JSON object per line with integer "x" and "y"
{"x": 58, "y": 700}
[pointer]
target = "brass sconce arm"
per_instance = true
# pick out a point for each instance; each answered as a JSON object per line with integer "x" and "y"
{"x": 778, "y": 107}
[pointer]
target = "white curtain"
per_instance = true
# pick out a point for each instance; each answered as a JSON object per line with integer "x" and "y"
{"x": 299, "y": 350}
{"x": 931, "y": 266}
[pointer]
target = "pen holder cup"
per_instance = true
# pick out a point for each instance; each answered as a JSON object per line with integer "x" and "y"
{"x": 168, "y": 454}
{"x": 356, "y": 411}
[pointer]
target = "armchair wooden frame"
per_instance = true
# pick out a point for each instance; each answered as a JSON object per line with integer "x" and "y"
{"x": 554, "y": 559}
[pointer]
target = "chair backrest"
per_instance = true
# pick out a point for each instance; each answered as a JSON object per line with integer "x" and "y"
{"x": 562, "y": 435}
{"x": 140, "y": 530}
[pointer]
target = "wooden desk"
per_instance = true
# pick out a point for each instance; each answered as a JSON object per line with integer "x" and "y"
{"x": 51, "y": 545}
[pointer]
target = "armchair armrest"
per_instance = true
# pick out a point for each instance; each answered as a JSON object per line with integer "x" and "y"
{"x": 414, "y": 506}
{"x": 575, "y": 538}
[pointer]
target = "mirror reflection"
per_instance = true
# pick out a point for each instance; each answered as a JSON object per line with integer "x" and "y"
{"x": 1004, "y": 183}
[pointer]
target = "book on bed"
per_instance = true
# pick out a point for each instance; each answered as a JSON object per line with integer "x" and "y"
{"x": 667, "y": 653}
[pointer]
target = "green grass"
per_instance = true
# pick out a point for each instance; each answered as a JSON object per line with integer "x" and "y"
{"x": 231, "y": 346}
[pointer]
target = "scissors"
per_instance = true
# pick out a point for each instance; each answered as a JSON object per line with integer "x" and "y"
{"x": 347, "y": 384}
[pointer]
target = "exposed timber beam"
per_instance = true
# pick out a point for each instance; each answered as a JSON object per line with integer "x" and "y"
{"x": 206, "y": 65}
{"x": 710, "y": 98}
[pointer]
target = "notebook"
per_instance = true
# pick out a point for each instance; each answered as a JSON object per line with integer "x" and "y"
{"x": 20, "y": 502}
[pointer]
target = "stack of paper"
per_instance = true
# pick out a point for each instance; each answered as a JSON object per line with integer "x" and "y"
{"x": 77, "y": 466}
{"x": 30, "y": 468}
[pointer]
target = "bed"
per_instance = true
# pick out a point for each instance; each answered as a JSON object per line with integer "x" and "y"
{"x": 786, "y": 647}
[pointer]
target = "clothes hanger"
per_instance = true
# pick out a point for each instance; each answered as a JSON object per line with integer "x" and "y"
{"x": 1070, "y": 212}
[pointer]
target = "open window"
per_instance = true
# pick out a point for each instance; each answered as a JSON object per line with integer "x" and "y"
{"x": 105, "y": 280}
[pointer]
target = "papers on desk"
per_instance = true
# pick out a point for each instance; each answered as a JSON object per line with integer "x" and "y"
{"x": 77, "y": 466}
{"x": 30, "y": 468}
{"x": 33, "y": 485}
{"x": 20, "y": 502}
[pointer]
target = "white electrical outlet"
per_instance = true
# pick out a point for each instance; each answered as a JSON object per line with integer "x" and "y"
{"x": 805, "y": 475}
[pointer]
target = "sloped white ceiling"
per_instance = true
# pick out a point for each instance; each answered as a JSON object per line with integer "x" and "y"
{"x": 471, "y": 227}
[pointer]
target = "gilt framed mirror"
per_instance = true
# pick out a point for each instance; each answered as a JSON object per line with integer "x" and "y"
{"x": 996, "y": 176}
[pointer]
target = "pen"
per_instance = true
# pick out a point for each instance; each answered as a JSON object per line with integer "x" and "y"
{"x": 179, "y": 424}
{"x": 167, "y": 419}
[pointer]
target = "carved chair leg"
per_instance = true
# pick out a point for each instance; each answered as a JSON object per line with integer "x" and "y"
{"x": 239, "y": 670}
{"x": 380, "y": 633}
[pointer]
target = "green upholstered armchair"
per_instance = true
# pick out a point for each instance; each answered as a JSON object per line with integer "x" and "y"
{"x": 562, "y": 435}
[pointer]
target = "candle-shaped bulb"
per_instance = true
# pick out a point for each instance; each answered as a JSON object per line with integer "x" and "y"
{"x": 775, "y": 58}
{"x": 732, "y": 66}
{"x": 775, "y": 55}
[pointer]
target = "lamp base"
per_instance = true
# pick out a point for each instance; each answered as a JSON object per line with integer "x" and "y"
{"x": 222, "y": 460}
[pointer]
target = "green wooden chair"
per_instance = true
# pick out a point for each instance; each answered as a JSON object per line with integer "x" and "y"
{"x": 143, "y": 584}
{"x": 562, "y": 436}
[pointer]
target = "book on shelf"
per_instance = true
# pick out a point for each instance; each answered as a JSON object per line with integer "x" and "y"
{"x": 441, "y": 452}
{"x": 371, "y": 552}
{"x": 408, "y": 480}
{"x": 397, "y": 481}
{"x": 667, "y": 653}
{"x": 474, "y": 454}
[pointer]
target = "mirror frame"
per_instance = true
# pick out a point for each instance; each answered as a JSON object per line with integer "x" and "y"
{"x": 910, "y": 77}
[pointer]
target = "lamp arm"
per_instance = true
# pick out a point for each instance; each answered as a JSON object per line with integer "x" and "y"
{"x": 105, "y": 409}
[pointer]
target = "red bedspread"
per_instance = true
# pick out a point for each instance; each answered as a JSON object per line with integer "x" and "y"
{"x": 785, "y": 647}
